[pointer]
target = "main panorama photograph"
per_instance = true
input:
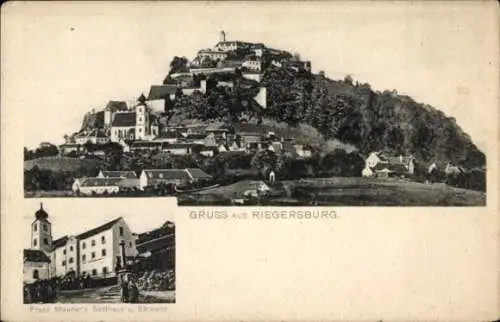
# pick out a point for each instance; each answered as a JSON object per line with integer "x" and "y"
{"x": 98, "y": 252}
{"x": 235, "y": 107}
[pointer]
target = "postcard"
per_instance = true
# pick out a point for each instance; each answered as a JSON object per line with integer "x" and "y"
{"x": 216, "y": 161}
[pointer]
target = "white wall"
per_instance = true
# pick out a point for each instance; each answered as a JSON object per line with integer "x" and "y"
{"x": 99, "y": 261}
{"x": 30, "y": 267}
{"x": 99, "y": 189}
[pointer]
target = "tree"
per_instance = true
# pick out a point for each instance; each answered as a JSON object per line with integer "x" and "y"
{"x": 348, "y": 79}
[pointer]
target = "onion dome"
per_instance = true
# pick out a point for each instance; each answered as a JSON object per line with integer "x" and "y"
{"x": 41, "y": 214}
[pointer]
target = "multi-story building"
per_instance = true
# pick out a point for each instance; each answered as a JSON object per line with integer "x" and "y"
{"x": 97, "y": 252}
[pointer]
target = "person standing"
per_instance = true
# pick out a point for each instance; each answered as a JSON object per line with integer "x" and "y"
{"x": 125, "y": 294}
{"x": 133, "y": 292}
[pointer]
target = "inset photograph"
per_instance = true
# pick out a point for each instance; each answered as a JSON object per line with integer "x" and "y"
{"x": 87, "y": 252}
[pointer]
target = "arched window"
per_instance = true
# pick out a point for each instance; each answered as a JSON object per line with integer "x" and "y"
{"x": 36, "y": 274}
{"x": 94, "y": 272}
{"x": 35, "y": 227}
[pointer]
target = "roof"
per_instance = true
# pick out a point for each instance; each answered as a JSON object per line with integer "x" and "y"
{"x": 59, "y": 242}
{"x": 166, "y": 174}
{"x": 116, "y": 106}
{"x": 169, "y": 146}
{"x": 119, "y": 174}
{"x": 137, "y": 144}
{"x": 35, "y": 255}
{"x": 196, "y": 173}
{"x": 161, "y": 91}
{"x": 124, "y": 119}
{"x": 100, "y": 182}
{"x": 99, "y": 229}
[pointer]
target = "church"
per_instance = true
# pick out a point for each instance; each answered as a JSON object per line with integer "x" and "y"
{"x": 95, "y": 252}
{"x": 138, "y": 123}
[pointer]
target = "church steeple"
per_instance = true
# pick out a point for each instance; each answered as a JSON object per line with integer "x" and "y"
{"x": 41, "y": 231}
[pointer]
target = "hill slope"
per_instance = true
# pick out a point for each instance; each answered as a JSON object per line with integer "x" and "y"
{"x": 61, "y": 164}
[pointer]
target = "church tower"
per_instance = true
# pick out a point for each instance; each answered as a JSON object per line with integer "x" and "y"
{"x": 222, "y": 37}
{"x": 142, "y": 119}
{"x": 41, "y": 231}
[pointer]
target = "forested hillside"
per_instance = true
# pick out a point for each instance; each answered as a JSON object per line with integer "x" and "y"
{"x": 343, "y": 110}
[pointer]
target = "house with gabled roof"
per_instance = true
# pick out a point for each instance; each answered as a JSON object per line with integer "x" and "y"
{"x": 99, "y": 186}
{"x": 117, "y": 174}
{"x": 154, "y": 177}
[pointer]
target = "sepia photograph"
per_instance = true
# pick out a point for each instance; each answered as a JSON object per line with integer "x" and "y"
{"x": 78, "y": 253}
{"x": 245, "y": 116}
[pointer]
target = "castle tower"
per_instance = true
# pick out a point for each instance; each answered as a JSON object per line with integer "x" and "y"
{"x": 222, "y": 36}
{"x": 142, "y": 119}
{"x": 41, "y": 231}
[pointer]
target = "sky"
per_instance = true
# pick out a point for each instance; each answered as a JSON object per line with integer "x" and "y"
{"x": 72, "y": 216}
{"x": 62, "y": 60}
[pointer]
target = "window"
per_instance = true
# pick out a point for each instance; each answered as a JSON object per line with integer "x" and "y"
{"x": 84, "y": 257}
{"x": 70, "y": 260}
{"x": 93, "y": 242}
{"x": 140, "y": 130}
{"x": 103, "y": 252}
{"x": 118, "y": 260}
{"x": 45, "y": 227}
{"x": 35, "y": 227}
{"x": 83, "y": 245}
{"x": 121, "y": 231}
{"x": 129, "y": 244}
{"x": 64, "y": 251}
{"x": 34, "y": 242}
{"x": 70, "y": 248}
{"x": 104, "y": 270}
{"x": 63, "y": 263}
{"x": 36, "y": 274}
{"x": 94, "y": 272}
{"x": 45, "y": 241}
{"x": 103, "y": 240}
{"x": 93, "y": 255}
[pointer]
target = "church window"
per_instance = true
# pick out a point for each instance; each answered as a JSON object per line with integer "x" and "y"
{"x": 93, "y": 255}
{"x": 45, "y": 241}
{"x": 103, "y": 240}
{"x": 94, "y": 272}
{"x": 140, "y": 130}
{"x": 45, "y": 227}
{"x": 70, "y": 248}
{"x": 129, "y": 244}
{"x": 83, "y": 245}
{"x": 70, "y": 260}
{"x": 36, "y": 274}
{"x": 103, "y": 252}
{"x": 84, "y": 257}
{"x": 140, "y": 119}
{"x": 64, "y": 251}
{"x": 35, "y": 227}
{"x": 63, "y": 263}
{"x": 34, "y": 242}
{"x": 121, "y": 231}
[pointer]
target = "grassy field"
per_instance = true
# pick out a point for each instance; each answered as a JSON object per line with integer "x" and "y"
{"x": 351, "y": 191}
{"x": 63, "y": 164}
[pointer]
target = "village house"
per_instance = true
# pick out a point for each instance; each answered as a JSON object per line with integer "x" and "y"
{"x": 303, "y": 151}
{"x": 66, "y": 148}
{"x": 177, "y": 148}
{"x": 95, "y": 252}
{"x": 146, "y": 146}
{"x": 381, "y": 165}
{"x": 89, "y": 186}
{"x": 154, "y": 177}
{"x": 95, "y": 137}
